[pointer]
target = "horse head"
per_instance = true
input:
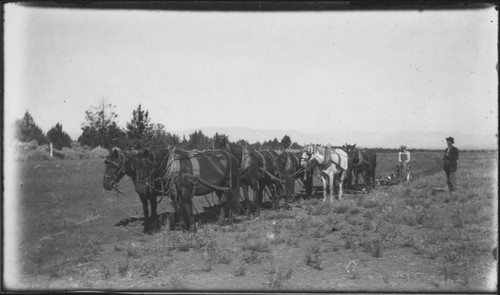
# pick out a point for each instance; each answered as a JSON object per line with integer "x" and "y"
{"x": 352, "y": 152}
{"x": 307, "y": 154}
{"x": 349, "y": 148}
{"x": 115, "y": 168}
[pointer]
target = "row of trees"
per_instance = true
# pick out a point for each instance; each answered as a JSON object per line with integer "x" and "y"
{"x": 27, "y": 130}
{"x": 100, "y": 128}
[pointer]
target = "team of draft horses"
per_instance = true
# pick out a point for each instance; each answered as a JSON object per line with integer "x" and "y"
{"x": 181, "y": 174}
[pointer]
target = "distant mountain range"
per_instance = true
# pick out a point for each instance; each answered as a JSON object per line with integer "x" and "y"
{"x": 412, "y": 139}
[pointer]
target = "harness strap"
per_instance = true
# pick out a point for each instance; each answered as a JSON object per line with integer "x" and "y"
{"x": 272, "y": 176}
{"x": 328, "y": 156}
{"x": 194, "y": 163}
{"x": 340, "y": 159}
{"x": 195, "y": 179}
{"x": 229, "y": 159}
{"x": 274, "y": 163}
{"x": 288, "y": 165}
{"x": 263, "y": 160}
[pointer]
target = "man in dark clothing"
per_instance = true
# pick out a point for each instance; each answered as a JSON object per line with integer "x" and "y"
{"x": 450, "y": 163}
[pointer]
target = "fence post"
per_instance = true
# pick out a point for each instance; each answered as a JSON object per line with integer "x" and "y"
{"x": 51, "y": 152}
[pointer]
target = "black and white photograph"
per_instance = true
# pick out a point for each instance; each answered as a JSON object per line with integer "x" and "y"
{"x": 250, "y": 147}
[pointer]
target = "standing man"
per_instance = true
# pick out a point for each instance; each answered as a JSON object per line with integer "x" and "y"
{"x": 403, "y": 161}
{"x": 450, "y": 163}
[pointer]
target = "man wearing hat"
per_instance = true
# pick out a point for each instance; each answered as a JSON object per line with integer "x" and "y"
{"x": 403, "y": 161}
{"x": 450, "y": 163}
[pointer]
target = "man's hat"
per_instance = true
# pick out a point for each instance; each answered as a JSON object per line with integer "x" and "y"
{"x": 450, "y": 139}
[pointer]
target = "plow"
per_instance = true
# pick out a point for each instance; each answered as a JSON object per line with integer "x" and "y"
{"x": 401, "y": 174}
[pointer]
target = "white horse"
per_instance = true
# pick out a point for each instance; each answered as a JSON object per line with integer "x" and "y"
{"x": 331, "y": 162}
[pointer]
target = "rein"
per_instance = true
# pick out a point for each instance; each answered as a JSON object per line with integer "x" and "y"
{"x": 303, "y": 169}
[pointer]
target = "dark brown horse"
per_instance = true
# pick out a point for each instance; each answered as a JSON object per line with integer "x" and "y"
{"x": 258, "y": 170}
{"x": 184, "y": 174}
{"x": 294, "y": 171}
{"x": 274, "y": 176}
{"x": 361, "y": 161}
{"x": 120, "y": 163}
{"x": 246, "y": 180}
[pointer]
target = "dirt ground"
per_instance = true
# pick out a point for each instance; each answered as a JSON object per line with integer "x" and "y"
{"x": 411, "y": 237}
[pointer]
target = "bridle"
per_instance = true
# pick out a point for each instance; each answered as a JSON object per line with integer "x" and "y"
{"x": 309, "y": 154}
{"x": 117, "y": 175}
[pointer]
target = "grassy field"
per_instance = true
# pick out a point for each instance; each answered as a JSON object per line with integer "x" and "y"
{"x": 407, "y": 237}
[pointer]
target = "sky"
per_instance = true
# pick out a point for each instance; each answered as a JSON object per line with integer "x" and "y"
{"x": 313, "y": 72}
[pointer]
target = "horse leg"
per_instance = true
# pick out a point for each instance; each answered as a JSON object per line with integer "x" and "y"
{"x": 356, "y": 177}
{"x": 154, "y": 217}
{"x": 373, "y": 177}
{"x": 341, "y": 184}
{"x": 289, "y": 189}
{"x": 244, "y": 188}
{"x": 273, "y": 188}
{"x": 175, "y": 218}
{"x": 187, "y": 206}
{"x": 324, "y": 187}
{"x": 348, "y": 178}
{"x": 366, "y": 179}
{"x": 179, "y": 214}
{"x": 308, "y": 183}
{"x": 222, "y": 204}
{"x": 331, "y": 181}
{"x": 279, "y": 192}
{"x": 145, "y": 209}
{"x": 260, "y": 194}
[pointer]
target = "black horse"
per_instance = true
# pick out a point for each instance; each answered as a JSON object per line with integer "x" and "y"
{"x": 258, "y": 170}
{"x": 274, "y": 176}
{"x": 184, "y": 174}
{"x": 361, "y": 161}
{"x": 246, "y": 179}
{"x": 294, "y": 171}
{"x": 120, "y": 163}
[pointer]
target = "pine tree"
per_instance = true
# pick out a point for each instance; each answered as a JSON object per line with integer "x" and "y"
{"x": 285, "y": 142}
{"x": 58, "y": 137}
{"x": 198, "y": 140}
{"x": 139, "y": 129}
{"x": 160, "y": 139}
{"x": 27, "y": 130}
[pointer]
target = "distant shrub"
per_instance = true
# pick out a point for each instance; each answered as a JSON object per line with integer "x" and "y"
{"x": 70, "y": 154}
{"x": 38, "y": 155}
{"x": 76, "y": 146}
{"x": 26, "y": 151}
{"x": 98, "y": 152}
{"x": 43, "y": 147}
{"x": 26, "y": 146}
